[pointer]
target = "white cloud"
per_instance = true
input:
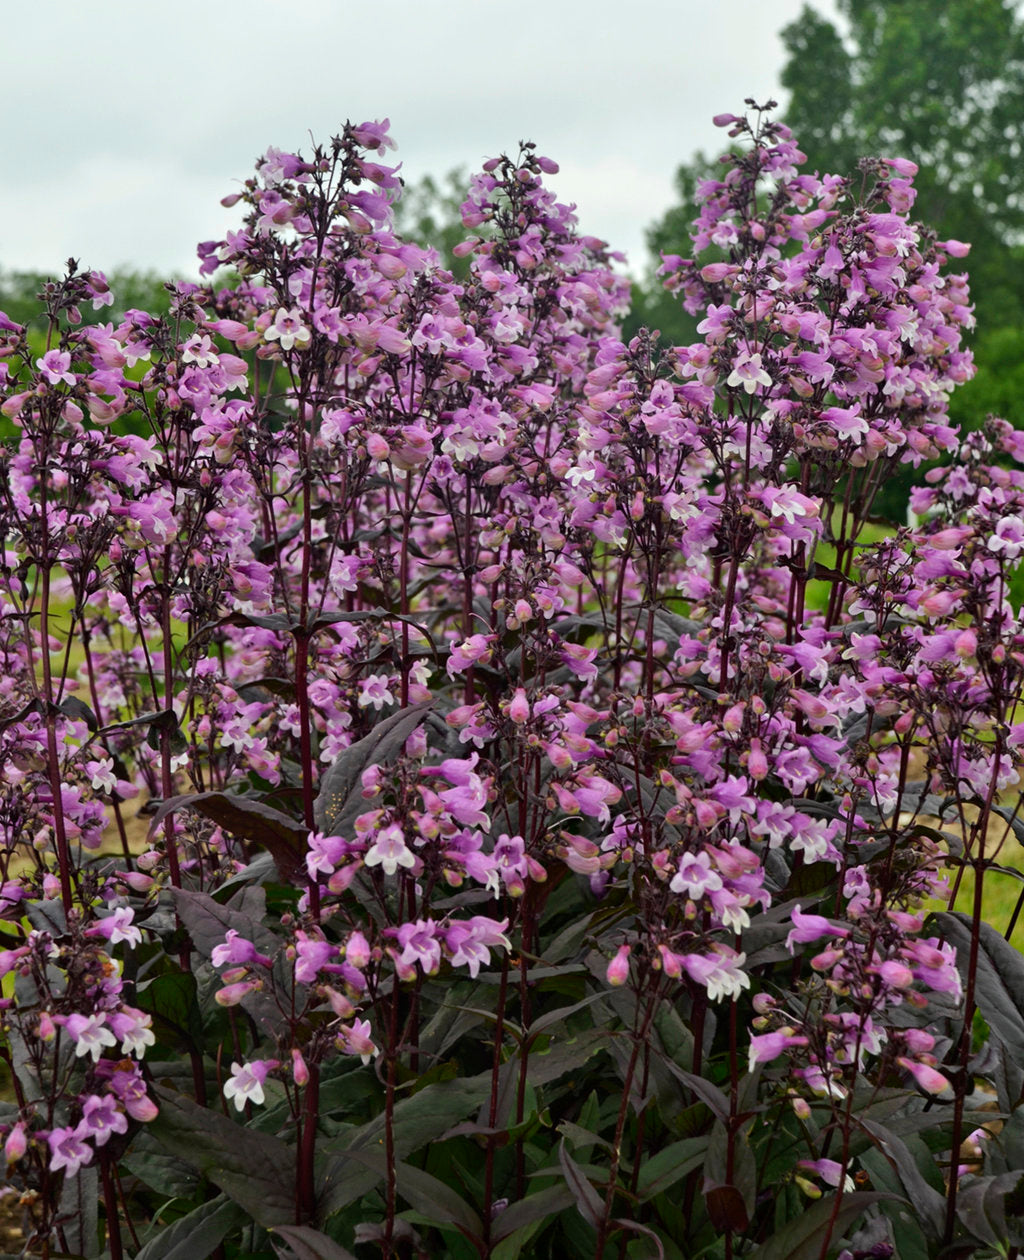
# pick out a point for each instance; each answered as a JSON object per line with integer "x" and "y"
{"x": 158, "y": 116}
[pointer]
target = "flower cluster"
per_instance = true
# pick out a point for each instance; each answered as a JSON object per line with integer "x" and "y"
{"x": 425, "y": 600}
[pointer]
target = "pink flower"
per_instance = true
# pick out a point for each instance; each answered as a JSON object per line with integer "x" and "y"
{"x": 311, "y": 956}
{"x": 90, "y": 1034}
{"x": 119, "y": 927}
{"x": 237, "y": 951}
{"x": 927, "y": 1078}
{"x": 16, "y": 1144}
{"x": 720, "y": 972}
{"x": 695, "y": 876}
{"x": 133, "y": 1028}
{"x": 470, "y": 943}
{"x": 769, "y": 1046}
{"x": 232, "y": 994}
{"x": 357, "y": 1040}
{"x": 127, "y": 1085}
{"x": 477, "y": 648}
{"x": 55, "y": 365}
{"x": 811, "y": 927}
{"x": 519, "y": 707}
{"x": 300, "y": 1070}
{"x": 420, "y": 945}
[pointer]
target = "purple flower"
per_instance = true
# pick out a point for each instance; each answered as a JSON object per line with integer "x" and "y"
{"x": 55, "y": 365}
{"x": 419, "y": 944}
{"x": 237, "y": 951}
{"x": 101, "y": 1117}
{"x": 695, "y": 876}
{"x": 68, "y": 1151}
{"x": 811, "y": 927}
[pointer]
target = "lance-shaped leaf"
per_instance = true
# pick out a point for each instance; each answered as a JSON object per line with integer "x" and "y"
{"x": 340, "y": 801}
{"x": 528, "y": 1211}
{"x": 423, "y": 1118}
{"x": 801, "y": 1239}
{"x": 253, "y": 1168}
{"x": 929, "y": 1205}
{"x": 432, "y": 1198}
{"x": 999, "y": 980}
{"x": 587, "y": 1199}
{"x": 283, "y": 837}
{"x": 199, "y": 1233}
{"x": 310, "y": 1244}
{"x": 663, "y": 1169}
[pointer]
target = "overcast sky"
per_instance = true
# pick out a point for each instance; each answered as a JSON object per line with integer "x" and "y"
{"x": 125, "y": 123}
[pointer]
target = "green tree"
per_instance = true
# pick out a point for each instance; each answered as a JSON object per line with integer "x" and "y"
{"x": 140, "y": 290}
{"x": 430, "y": 213}
{"x": 940, "y": 84}
{"x": 943, "y": 85}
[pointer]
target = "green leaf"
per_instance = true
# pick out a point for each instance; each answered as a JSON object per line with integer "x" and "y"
{"x": 171, "y": 1001}
{"x": 427, "y": 1114}
{"x": 423, "y": 1118}
{"x": 636, "y": 1228}
{"x": 566, "y": 1056}
{"x": 199, "y": 1233}
{"x": 801, "y": 1239}
{"x": 511, "y": 1246}
{"x": 708, "y": 1093}
{"x": 311, "y": 1244}
{"x": 432, "y": 1198}
{"x": 253, "y": 1168}
{"x": 663, "y": 1169}
{"x": 551, "y": 1018}
{"x": 582, "y": 1139}
{"x": 340, "y": 801}
{"x": 981, "y": 1207}
{"x": 436, "y": 1200}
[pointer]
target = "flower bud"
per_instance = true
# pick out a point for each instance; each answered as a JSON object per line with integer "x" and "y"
{"x": 16, "y": 1144}
{"x": 232, "y": 994}
{"x": 300, "y": 1071}
{"x": 618, "y": 968}
{"x": 519, "y": 707}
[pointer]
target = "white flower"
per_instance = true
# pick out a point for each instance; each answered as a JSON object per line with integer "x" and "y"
{"x": 389, "y": 851}
{"x": 246, "y": 1083}
{"x": 748, "y": 372}
{"x": 90, "y": 1034}
{"x": 118, "y": 927}
{"x": 288, "y": 330}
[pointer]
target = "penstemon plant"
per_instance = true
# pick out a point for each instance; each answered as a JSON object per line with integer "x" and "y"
{"x": 556, "y": 789}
